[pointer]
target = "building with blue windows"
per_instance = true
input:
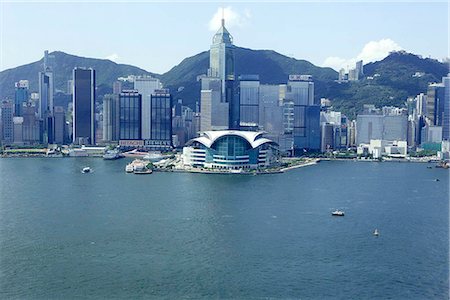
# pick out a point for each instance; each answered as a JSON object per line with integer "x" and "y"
{"x": 230, "y": 150}
{"x": 130, "y": 106}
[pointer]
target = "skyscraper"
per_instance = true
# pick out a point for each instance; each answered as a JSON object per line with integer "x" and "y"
{"x": 146, "y": 85}
{"x": 21, "y": 96}
{"x": 220, "y": 105}
{"x": 130, "y": 115}
{"x": 84, "y": 106}
{"x": 446, "y": 118}
{"x": 7, "y": 110}
{"x": 161, "y": 120}
{"x": 111, "y": 117}
{"x": 249, "y": 101}
{"x": 221, "y": 59}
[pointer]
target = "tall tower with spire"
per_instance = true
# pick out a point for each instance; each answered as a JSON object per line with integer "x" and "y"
{"x": 218, "y": 99}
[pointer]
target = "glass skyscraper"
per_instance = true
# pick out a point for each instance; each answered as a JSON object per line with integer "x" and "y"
{"x": 84, "y": 106}
{"x": 161, "y": 118}
{"x": 130, "y": 102}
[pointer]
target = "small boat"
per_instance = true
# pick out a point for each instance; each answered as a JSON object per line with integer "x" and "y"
{"x": 143, "y": 172}
{"x": 429, "y": 167}
{"x": 129, "y": 168}
{"x": 86, "y": 170}
{"x": 112, "y": 154}
{"x": 437, "y": 179}
{"x": 338, "y": 213}
{"x": 376, "y": 233}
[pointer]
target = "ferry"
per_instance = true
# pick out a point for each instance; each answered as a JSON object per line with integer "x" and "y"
{"x": 338, "y": 213}
{"x": 112, "y": 154}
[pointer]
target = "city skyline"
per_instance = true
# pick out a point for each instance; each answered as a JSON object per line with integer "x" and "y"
{"x": 157, "y": 48}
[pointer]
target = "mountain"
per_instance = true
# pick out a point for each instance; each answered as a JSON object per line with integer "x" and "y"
{"x": 387, "y": 82}
{"x": 272, "y": 68}
{"x": 106, "y": 72}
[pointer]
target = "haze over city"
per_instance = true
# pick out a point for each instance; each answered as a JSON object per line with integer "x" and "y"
{"x": 157, "y": 36}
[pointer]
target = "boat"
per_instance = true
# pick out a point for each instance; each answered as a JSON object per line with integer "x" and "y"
{"x": 86, "y": 170}
{"x": 437, "y": 179}
{"x": 143, "y": 172}
{"x": 443, "y": 165}
{"x": 112, "y": 154}
{"x": 338, "y": 213}
{"x": 155, "y": 156}
{"x": 376, "y": 233}
{"x": 138, "y": 166}
{"x": 129, "y": 168}
{"x": 135, "y": 154}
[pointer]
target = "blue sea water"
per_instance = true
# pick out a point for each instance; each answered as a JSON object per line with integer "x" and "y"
{"x": 112, "y": 235}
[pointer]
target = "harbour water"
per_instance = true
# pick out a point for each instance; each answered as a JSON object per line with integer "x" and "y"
{"x": 112, "y": 235}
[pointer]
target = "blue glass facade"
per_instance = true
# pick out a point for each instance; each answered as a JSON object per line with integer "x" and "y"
{"x": 130, "y": 115}
{"x": 21, "y": 96}
{"x": 161, "y": 117}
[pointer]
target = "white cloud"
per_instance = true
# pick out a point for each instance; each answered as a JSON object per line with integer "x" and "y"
{"x": 372, "y": 51}
{"x": 232, "y": 18}
{"x": 113, "y": 57}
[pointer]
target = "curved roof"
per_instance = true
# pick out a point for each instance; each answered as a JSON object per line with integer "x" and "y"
{"x": 254, "y": 138}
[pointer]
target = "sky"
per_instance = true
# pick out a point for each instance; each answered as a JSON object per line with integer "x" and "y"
{"x": 157, "y": 35}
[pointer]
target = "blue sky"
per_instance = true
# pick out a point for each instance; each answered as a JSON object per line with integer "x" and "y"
{"x": 157, "y": 36}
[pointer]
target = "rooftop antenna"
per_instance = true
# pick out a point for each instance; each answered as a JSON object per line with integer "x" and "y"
{"x": 223, "y": 17}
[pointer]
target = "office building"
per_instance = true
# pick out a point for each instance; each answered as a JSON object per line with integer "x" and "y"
{"x": 161, "y": 120}
{"x": 327, "y": 137}
{"x": 111, "y": 118}
{"x": 30, "y": 125}
{"x": 214, "y": 112}
{"x": 435, "y": 103}
{"x": 219, "y": 103}
{"x": 84, "y": 106}
{"x": 130, "y": 106}
{"x": 369, "y": 127}
{"x": 18, "y": 130}
{"x": 249, "y": 102}
{"x": 21, "y": 96}
{"x": 59, "y": 118}
{"x": 146, "y": 86}
{"x": 7, "y": 114}
{"x": 446, "y": 106}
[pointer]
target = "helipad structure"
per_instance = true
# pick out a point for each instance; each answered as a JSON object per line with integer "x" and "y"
{"x": 230, "y": 149}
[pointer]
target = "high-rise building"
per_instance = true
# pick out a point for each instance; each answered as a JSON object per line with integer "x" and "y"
{"x": 220, "y": 105}
{"x": 146, "y": 86}
{"x": 84, "y": 106}
{"x": 392, "y": 125}
{"x": 111, "y": 117}
{"x": 359, "y": 69}
{"x": 214, "y": 112}
{"x": 59, "y": 117}
{"x": 30, "y": 125}
{"x": 446, "y": 115}
{"x": 369, "y": 127}
{"x": 300, "y": 89}
{"x": 44, "y": 95}
{"x": 130, "y": 102}
{"x": 327, "y": 137}
{"x": 249, "y": 102}
{"x": 7, "y": 109}
{"x": 117, "y": 87}
{"x": 435, "y": 103}
{"x": 161, "y": 120}
{"x": 21, "y": 96}
{"x": 221, "y": 60}
{"x": 18, "y": 130}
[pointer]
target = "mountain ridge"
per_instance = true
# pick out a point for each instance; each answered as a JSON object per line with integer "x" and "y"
{"x": 394, "y": 83}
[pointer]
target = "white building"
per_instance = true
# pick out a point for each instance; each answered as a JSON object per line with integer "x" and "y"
{"x": 146, "y": 86}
